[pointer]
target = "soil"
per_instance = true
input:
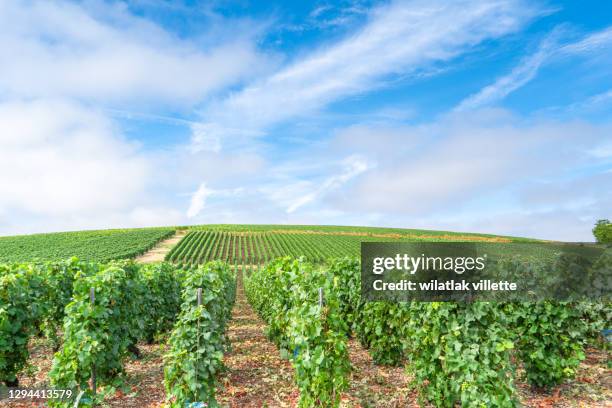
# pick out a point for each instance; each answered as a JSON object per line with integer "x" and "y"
{"x": 158, "y": 253}
{"x": 256, "y": 376}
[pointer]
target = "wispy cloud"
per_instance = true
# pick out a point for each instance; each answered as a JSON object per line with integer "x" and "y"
{"x": 590, "y": 43}
{"x": 399, "y": 38}
{"x": 524, "y": 72}
{"x": 200, "y": 197}
{"x": 353, "y": 166}
{"x": 198, "y": 200}
{"x": 592, "y": 103}
{"x": 550, "y": 48}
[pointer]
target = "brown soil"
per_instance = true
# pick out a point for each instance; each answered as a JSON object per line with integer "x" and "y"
{"x": 376, "y": 386}
{"x": 256, "y": 375}
{"x": 158, "y": 253}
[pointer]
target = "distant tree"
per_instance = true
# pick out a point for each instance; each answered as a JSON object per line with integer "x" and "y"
{"x": 603, "y": 231}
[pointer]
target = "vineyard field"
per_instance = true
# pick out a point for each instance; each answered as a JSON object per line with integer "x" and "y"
{"x": 98, "y": 246}
{"x": 263, "y": 244}
{"x": 167, "y": 328}
{"x": 348, "y": 229}
{"x": 261, "y": 247}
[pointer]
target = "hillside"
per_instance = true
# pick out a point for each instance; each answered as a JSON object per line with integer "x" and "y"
{"x": 246, "y": 242}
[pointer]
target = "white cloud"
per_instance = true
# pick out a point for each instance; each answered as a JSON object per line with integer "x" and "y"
{"x": 446, "y": 165}
{"x": 206, "y": 137}
{"x": 105, "y": 53}
{"x": 353, "y": 166}
{"x": 528, "y": 68}
{"x": 65, "y": 163}
{"x": 472, "y": 172}
{"x": 58, "y": 158}
{"x": 198, "y": 200}
{"x": 146, "y": 216}
{"x": 399, "y": 38}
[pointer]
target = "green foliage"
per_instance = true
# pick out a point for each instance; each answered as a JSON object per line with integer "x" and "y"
{"x": 377, "y": 325}
{"x": 550, "y": 338}
{"x": 98, "y": 333}
{"x": 32, "y": 299}
{"x": 99, "y": 246}
{"x": 15, "y": 321}
{"x": 457, "y": 352}
{"x": 131, "y": 302}
{"x": 380, "y": 329}
{"x": 596, "y": 316}
{"x": 550, "y": 335}
{"x": 58, "y": 281}
{"x": 198, "y": 340}
{"x": 161, "y": 299}
{"x": 332, "y": 229}
{"x": 286, "y": 294}
{"x": 460, "y": 352}
{"x": 348, "y": 271}
{"x": 603, "y": 231}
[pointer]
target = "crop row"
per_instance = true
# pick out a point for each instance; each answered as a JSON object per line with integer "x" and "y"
{"x": 457, "y": 353}
{"x": 305, "y": 326}
{"x": 104, "y": 309}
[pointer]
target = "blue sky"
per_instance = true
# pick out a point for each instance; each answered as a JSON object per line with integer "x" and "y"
{"x": 484, "y": 116}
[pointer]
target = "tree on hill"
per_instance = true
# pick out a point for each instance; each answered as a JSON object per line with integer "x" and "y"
{"x": 603, "y": 231}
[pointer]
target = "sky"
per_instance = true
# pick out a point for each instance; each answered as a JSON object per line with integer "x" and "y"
{"x": 489, "y": 116}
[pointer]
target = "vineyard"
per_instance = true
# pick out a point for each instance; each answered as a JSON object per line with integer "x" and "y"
{"x": 259, "y": 248}
{"x": 464, "y": 353}
{"x": 102, "y": 311}
{"x": 98, "y": 246}
{"x": 101, "y": 321}
{"x": 265, "y": 244}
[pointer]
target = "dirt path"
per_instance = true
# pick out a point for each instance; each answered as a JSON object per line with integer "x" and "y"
{"x": 256, "y": 376}
{"x": 377, "y": 386}
{"x": 158, "y": 253}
